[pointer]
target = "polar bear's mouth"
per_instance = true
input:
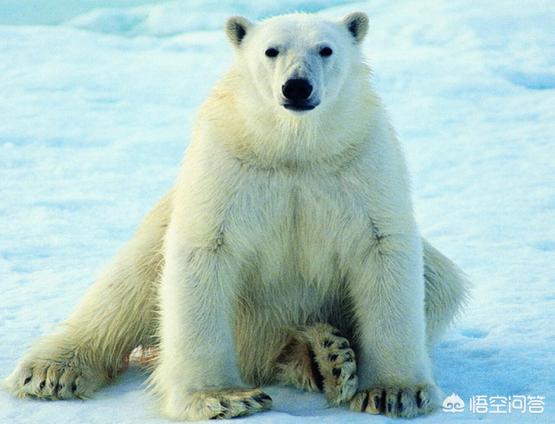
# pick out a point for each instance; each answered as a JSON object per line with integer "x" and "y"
{"x": 299, "y": 107}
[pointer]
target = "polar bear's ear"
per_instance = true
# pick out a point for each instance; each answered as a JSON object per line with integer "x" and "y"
{"x": 236, "y": 28}
{"x": 357, "y": 24}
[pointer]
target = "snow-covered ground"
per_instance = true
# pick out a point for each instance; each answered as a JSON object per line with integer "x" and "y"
{"x": 96, "y": 108}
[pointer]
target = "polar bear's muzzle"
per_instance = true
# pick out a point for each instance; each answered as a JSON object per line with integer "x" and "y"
{"x": 296, "y": 92}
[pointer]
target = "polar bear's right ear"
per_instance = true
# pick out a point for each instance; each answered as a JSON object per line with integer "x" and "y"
{"x": 236, "y": 28}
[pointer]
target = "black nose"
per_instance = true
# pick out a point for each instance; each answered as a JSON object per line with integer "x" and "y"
{"x": 297, "y": 89}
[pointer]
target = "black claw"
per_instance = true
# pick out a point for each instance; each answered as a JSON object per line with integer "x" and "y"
{"x": 352, "y": 376}
{"x": 336, "y": 372}
{"x": 264, "y": 397}
{"x": 419, "y": 399}
{"x": 73, "y": 387}
{"x": 389, "y": 406}
{"x": 27, "y": 380}
{"x": 225, "y": 404}
{"x": 42, "y": 384}
{"x": 328, "y": 343}
{"x": 246, "y": 403}
{"x": 364, "y": 402}
{"x": 316, "y": 374}
{"x": 400, "y": 406}
{"x": 349, "y": 357}
{"x": 343, "y": 345}
{"x": 382, "y": 402}
{"x": 377, "y": 403}
{"x": 219, "y": 416}
{"x": 332, "y": 357}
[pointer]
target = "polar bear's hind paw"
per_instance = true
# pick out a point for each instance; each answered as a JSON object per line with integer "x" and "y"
{"x": 336, "y": 364}
{"x": 53, "y": 381}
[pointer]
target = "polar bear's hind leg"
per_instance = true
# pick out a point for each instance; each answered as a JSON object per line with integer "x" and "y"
{"x": 319, "y": 358}
{"x": 116, "y": 315}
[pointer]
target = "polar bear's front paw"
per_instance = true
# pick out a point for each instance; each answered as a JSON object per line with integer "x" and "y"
{"x": 52, "y": 380}
{"x": 222, "y": 404}
{"x": 402, "y": 402}
{"x": 336, "y": 363}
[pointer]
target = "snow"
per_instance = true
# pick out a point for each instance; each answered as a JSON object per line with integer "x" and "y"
{"x": 96, "y": 109}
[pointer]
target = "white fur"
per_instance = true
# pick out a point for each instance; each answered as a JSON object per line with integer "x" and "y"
{"x": 278, "y": 219}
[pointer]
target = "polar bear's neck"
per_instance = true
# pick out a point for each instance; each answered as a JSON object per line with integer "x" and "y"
{"x": 257, "y": 133}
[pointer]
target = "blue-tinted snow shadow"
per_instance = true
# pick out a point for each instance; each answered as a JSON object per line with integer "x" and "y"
{"x": 469, "y": 364}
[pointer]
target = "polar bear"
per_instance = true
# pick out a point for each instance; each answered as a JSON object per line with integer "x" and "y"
{"x": 287, "y": 251}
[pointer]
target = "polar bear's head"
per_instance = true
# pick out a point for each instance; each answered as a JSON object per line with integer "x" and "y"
{"x": 296, "y": 63}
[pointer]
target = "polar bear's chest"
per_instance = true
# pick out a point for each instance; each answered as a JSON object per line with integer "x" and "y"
{"x": 299, "y": 227}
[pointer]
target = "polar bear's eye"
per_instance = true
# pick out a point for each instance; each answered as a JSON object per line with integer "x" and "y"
{"x": 271, "y": 52}
{"x": 326, "y": 52}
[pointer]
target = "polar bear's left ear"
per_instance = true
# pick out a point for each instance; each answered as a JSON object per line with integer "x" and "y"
{"x": 357, "y": 24}
{"x": 236, "y": 28}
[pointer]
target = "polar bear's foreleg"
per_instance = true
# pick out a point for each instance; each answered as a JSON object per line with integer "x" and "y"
{"x": 387, "y": 290}
{"x": 115, "y": 316}
{"x": 196, "y": 375}
{"x": 445, "y": 292}
{"x": 319, "y": 358}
